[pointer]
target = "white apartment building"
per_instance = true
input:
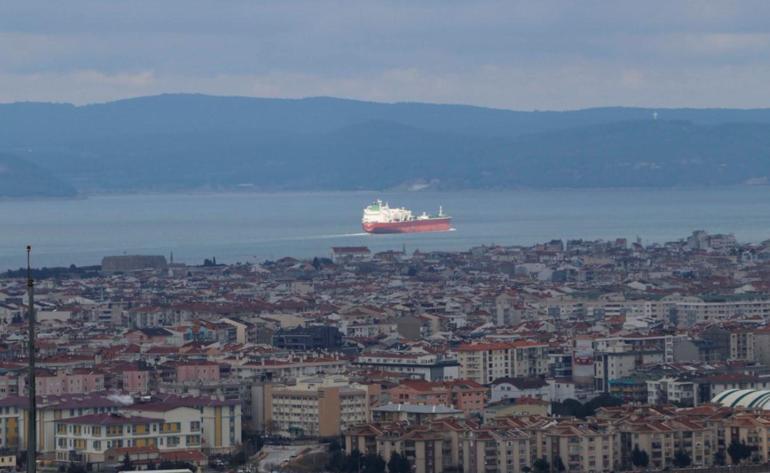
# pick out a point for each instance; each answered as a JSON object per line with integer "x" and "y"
{"x": 692, "y": 310}
{"x": 486, "y": 362}
{"x": 426, "y": 366}
{"x": 671, "y": 390}
{"x": 91, "y": 438}
{"x": 220, "y": 421}
{"x": 618, "y": 357}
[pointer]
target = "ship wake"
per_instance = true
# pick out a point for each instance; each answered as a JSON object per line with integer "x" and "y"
{"x": 325, "y": 237}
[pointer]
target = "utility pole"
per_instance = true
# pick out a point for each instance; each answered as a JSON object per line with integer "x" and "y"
{"x": 32, "y": 431}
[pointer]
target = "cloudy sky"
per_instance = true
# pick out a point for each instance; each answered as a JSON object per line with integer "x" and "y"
{"x": 510, "y": 54}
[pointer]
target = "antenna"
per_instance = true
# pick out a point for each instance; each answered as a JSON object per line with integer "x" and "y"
{"x": 32, "y": 432}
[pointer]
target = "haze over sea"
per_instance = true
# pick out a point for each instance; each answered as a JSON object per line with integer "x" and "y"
{"x": 251, "y": 227}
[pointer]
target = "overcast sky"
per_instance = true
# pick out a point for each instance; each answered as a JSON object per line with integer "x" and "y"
{"x": 520, "y": 55}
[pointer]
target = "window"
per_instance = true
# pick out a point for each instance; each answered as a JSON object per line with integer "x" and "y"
{"x": 114, "y": 430}
{"x": 171, "y": 427}
{"x": 195, "y": 426}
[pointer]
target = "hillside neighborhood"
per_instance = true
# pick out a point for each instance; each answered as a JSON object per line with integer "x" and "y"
{"x": 566, "y": 356}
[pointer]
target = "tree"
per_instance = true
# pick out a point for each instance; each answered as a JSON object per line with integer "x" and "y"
{"x": 604, "y": 400}
{"x": 738, "y": 451}
{"x": 398, "y": 464}
{"x": 127, "y": 465}
{"x": 569, "y": 407}
{"x": 334, "y": 446}
{"x": 682, "y": 459}
{"x": 238, "y": 459}
{"x": 373, "y": 463}
{"x": 353, "y": 463}
{"x": 337, "y": 461}
{"x": 574, "y": 408}
{"x": 541, "y": 465}
{"x": 177, "y": 465}
{"x": 76, "y": 468}
{"x": 559, "y": 464}
{"x": 719, "y": 458}
{"x": 252, "y": 443}
{"x": 639, "y": 458}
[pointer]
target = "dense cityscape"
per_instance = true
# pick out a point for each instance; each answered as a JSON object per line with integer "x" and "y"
{"x": 576, "y": 356}
{"x": 356, "y": 236}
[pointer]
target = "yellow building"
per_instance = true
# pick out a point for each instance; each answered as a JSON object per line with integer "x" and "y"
{"x": 581, "y": 446}
{"x": 316, "y": 407}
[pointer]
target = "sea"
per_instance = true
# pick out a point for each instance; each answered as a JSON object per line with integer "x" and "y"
{"x": 253, "y": 227}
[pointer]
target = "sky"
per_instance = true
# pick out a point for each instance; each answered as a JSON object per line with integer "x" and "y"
{"x": 524, "y": 55}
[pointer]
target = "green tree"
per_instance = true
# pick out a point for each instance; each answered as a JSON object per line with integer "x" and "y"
{"x": 559, "y": 464}
{"x": 719, "y": 458}
{"x": 604, "y": 400}
{"x": 682, "y": 459}
{"x": 639, "y": 458}
{"x": 337, "y": 461}
{"x": 127, "y": 465}
{"x": 738, "y": 451}
{"x": 238, "y": 459}
{"x": 335, "y": 446}
{"x": 176, "y": 465}
{"x": 252, "y": 443}
{"x": 354, "y": 463}
{"x": 398, "y": 464}
{"x": 373, "y": 463}
{"x": 541, "y": 465}
{"x": 569, "y": 407}
{"x": 76, "y": 468}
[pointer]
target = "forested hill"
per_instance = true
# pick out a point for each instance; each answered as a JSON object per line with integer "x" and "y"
{"x": 184, "y": 142}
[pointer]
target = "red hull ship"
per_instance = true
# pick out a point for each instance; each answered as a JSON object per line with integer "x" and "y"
{"x": 381, "y": 218}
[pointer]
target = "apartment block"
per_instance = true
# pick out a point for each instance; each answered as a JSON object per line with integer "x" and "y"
{"x": 316, "y": 407}
{"x": 486, "y": 362}
{"x": 91, "y": 438}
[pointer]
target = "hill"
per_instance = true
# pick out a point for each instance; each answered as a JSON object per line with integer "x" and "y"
{"x": 20, "y": 178}
{"x": 178, "y": 142}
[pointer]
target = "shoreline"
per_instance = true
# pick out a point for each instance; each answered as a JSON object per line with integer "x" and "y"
{"x": 300, "y": 192}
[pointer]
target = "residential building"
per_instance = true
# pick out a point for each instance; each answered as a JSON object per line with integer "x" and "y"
{"x": 316, "y": 407}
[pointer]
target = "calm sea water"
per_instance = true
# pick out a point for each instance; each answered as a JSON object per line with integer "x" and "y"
{"x": 254, "y": 227}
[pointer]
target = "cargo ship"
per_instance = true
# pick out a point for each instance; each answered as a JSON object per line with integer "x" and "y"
{"x": 379, "y": 217}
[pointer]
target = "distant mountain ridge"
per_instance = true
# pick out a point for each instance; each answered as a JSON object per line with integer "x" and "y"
{"x": 20, "y": 178}
{"x": 182, "y": 142}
